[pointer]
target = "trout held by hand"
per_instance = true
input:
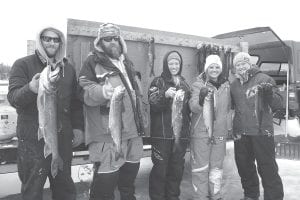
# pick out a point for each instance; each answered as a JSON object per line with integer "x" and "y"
{"x": 115, "y": 119}
{"x": 47, "y": 110}
{"x": 177, "y": 106}
{"x": 209, "y": 115}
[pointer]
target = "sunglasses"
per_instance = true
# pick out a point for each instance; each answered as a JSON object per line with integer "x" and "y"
{"x": 48, "y": 39}
{"x": 110, "y": 38}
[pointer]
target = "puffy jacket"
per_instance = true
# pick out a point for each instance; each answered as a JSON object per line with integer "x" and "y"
{"x": 243, "y": 98}
{"x": 222, "y": 108}
{"x": 69, "y": 108}
{"x": 96, "y": 68}
{"x": 161, "y": 107}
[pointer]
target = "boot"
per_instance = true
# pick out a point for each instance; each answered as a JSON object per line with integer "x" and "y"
{"x": 128, "y": 173}
{"x": 103, "y": 186}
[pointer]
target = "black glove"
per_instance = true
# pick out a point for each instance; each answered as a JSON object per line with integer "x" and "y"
{"x": 267, "y": 89}
{"x": 202, "y": 95}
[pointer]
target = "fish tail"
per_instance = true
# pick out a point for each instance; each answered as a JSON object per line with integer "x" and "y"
{"x": 177, "y": 146}
{"x": 119, "y": 155}
{"x": 56, "y": 164}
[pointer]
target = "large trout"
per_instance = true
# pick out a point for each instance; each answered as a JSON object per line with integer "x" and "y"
{"x": 47, "y": 109}
{"x": 115, "y": 119}
{"x": 177, "y": 106}
{"x": 209, "y": 115}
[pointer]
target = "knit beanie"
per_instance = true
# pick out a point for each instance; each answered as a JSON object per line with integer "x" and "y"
{"x": 212, "y": 59}
{"x": 241, "y": 57}
{"x": 174, "y": 55}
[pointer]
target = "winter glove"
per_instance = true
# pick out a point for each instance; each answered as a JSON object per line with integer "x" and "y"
{"x": 154, "y": 95}
{"x": 267, "y": 90}
{"x": 34, "y": 83}
{"x": 170, "y": 93}
{"x": 202, "y": 95}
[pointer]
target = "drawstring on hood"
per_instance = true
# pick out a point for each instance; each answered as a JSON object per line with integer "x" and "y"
{"x": 166, "y": 74}
{"x": 59, "y": 57}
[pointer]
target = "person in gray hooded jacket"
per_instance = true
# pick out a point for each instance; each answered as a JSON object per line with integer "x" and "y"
{"x": 33, "y": 167}
{"x": 106, "y": 68}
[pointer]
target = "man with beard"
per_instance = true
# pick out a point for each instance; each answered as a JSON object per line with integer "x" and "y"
{"x": 33, "y": 167}
{"x": 104, "y": 69}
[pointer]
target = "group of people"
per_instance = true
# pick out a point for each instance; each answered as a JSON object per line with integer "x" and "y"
{"x": 83, "y": 116}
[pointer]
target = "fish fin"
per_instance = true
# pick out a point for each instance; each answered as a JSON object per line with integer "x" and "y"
{"x": 47, "y": 150}
{"x": 41, "y": 133}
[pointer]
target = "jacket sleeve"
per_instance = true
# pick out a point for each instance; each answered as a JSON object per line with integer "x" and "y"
{"x": 194, "y": 101}
{"x": 277, "y": 99}
{"x": 76, "y": 107}
{"x": 156, "y": 95}
{"x": 92, "y": 94}
{"x": 19, "y": 94}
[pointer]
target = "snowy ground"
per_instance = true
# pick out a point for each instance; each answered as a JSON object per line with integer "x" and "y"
{"x": 288, "y": 169}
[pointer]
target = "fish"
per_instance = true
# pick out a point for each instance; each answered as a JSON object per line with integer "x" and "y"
{"x": 115, "y": 119}
{"x": 209, "y": 115}
{"x": 47, "y": 115}
{"x": 201, "y": 58}
{"x": 259, "y": 105}
{"x": 151, "y": 55}
{"x": 177, "y": 106}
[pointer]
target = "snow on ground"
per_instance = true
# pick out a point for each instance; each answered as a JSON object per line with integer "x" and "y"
{"x": 289, "y": 171}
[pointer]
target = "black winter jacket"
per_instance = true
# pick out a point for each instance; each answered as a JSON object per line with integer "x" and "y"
{"x": 161, "y": 107}
{"x": 69, "y": 108}
{"x": 243, "y": 101}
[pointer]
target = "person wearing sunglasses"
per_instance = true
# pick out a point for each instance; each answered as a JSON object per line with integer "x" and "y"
{"x": 33, "y": 167}
{"x": 106, "y": 68}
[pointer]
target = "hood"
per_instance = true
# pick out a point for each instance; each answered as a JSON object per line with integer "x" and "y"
{"x": 62, "y": 47}
{"x": 166, "y": 74}
{"x": 122, "y": 43}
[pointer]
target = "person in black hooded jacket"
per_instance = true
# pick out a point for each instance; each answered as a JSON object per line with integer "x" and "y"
{"x": 168, "y": 158}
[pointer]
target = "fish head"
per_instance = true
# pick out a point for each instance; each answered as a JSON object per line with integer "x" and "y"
{"x": 53, "y": 73}
{"x": 210, "y": 95}
{"x": 179, "y": 96}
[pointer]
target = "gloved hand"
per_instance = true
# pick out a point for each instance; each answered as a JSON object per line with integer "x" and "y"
{"x": 266, "y": 89}
{"x": 170, "y": 93}
{"x": 78, "y": 137}
{"x": 34, "y": 83}
{"x": 108, "y": 89}
{"x": 267, "y": 92}
{"x": 203, "y": 92}
{"x": 153, "y": 94}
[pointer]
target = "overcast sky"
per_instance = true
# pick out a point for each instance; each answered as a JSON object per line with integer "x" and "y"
{"x": 21, "y": 20}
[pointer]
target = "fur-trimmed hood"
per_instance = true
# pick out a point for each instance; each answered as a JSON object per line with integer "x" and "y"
{"x": 122, "y": 43}
{"x": 62, "y": 46}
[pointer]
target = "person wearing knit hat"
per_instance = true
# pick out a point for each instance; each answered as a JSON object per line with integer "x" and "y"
{"x": 207, "y": 153}
{"x": 212, "y": 59}
{"x": 168, "y": 155}
{"x": 242, "y": 64}
{"x": 253, "y": 129}
{"x": 106, "y": 68}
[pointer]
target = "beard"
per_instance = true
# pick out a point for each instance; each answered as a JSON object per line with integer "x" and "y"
{"x": 112, "y": 50}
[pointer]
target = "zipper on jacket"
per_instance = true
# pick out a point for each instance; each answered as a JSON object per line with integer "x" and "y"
{"x": 163, "y": 125}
